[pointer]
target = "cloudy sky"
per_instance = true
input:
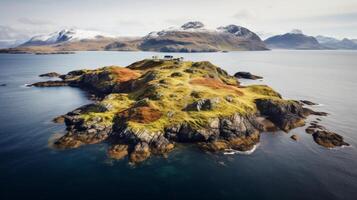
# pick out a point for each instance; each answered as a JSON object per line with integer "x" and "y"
{"x": 23, "y": 18}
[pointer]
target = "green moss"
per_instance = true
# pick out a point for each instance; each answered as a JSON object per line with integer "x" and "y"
{"x": 167, "y": 87}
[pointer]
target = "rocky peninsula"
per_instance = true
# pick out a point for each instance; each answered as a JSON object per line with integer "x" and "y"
{"x": 147, "y": 107}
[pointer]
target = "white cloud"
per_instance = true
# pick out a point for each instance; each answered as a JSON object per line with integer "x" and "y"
{"x": 134, "y": 17}
{"x": 36, "y": 22}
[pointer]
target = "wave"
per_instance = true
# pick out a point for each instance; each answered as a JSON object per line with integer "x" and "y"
{"x": 232, "y": 151}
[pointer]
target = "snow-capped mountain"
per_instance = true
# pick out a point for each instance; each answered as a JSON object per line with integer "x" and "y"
{"x": 323, "y": 39}
{"x": 187, "y": 27}
{"x": 239, "y": 31}
{"x": 65, "y": 35}
{"x": 333, "y": 43}
{"x": 190, "y": 37}
{"x": 195, "y": 37}
{"x": 197, "y": 26}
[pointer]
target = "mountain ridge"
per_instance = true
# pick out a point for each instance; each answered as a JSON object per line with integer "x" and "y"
{"x": 190, "y": 37}
{"x": 293, "y": 40}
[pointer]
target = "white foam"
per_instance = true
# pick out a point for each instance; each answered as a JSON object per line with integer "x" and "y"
{"x": 232, "y": 151}
{"x": 26, "y": 85}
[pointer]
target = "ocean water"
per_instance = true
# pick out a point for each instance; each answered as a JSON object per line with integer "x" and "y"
{"x": 279, "y": 168}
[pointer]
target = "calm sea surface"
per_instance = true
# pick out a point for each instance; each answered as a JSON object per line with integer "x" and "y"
{"x": 279, "y": 169}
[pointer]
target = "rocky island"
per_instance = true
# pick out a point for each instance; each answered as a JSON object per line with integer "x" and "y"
{"x": 150, "y": 105}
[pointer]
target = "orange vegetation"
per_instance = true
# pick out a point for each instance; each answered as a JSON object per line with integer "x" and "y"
{"x": 215, "y": 84}
{"x": 143, "y": 114}
{"x": 125, "y": 74}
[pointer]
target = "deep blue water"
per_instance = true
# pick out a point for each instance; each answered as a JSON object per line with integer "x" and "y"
{"x": 279, "y": 169}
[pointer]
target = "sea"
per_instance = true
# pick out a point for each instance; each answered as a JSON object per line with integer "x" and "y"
{"x": 279, "y": 168}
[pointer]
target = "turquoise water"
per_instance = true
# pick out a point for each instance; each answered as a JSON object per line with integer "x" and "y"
{"x": 279, "y": 169}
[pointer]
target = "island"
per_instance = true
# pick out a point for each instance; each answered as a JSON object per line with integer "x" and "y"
{"x": 151, "y": 105}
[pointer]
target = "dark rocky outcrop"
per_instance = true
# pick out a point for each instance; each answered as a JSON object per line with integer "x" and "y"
{"x": 247, "y": 75}
{"x": 80, "y": 131}
{"x": 284, "y": 114}
{"x": 50, "y": 74}
{"x": 202, "y": 104}
{"x": 59, "y": 120}
{"x": 324, "y": 137}
{"x": 295, "y": 137}
{"x": 309, "y": 103}
{"x": 118, "y": 151}
{"x": 50, "y": 84}
{"x": 328, "y": 139}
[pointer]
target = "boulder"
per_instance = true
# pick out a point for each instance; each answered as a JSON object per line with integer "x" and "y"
{"x": 309, "y": 103}
{"x": 50, "y": 74}
{"x": 59, "y": 119}
{"x": 140, "y": 153}
{"x": 202, "y": 104}
{"x": 328, "y": 139}
{"x": 247, "y": 75}
{"x": 295, "y": 137}
{"x": 118, "y": 151}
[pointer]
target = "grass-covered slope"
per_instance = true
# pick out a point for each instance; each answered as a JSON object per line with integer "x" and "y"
{"x": 162, "y": 94}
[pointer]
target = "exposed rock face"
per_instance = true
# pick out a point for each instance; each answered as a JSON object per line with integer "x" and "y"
{"x": 192, "y": 25}
{"x": 247, "y": 75}
{"x": 150, "y": 105}
{"x": 202, "y": 104}
{"x": 50, "y": 74}
{"x": 140, "y": 153}
{"x": 80, "y": 131}
{"x": 284, "y": 114}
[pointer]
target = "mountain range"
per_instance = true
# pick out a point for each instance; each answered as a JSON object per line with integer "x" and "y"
{"x": 190, "y": 37}
{"x": 296, "y": 39}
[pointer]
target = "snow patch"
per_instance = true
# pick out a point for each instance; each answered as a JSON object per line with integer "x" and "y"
{"x": 66, "y": 35}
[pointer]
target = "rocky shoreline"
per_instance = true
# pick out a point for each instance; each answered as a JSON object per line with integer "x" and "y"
{"x": 146, "y": 108}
